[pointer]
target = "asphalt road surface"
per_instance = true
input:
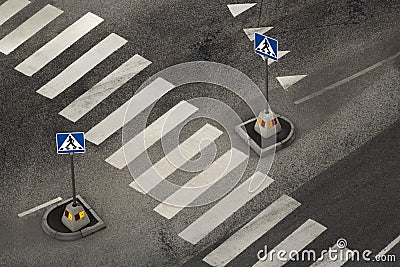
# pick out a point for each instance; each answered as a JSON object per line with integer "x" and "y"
{"x": 337, "y": 79}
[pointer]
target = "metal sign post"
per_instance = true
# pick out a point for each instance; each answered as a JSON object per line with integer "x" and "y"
{"x": 73, "y": 180}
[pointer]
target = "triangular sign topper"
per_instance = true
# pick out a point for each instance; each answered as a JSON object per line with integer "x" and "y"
{"x": 266, "y": 46}
{"x": 70, "y": 143}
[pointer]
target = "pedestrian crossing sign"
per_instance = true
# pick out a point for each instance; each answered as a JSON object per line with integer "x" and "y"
{"x": 266, "y": 46}
{"x": 70, "y": 143}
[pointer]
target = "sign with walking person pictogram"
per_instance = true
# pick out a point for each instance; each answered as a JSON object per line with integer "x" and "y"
{"x": 70, "y": 143}
{"x": 266, "y": 46}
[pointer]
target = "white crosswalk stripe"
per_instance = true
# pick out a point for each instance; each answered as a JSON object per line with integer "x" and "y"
{"x": 176, "y": 158}
{"x": 129, "y": 110}
{"x": 252, "y": 231}
{"x": 223, "y": 209}
{"x": 327, "y": 261}
{"x": 29, "y": 28}
{"x": 154, "y": 132}
{"x": 296, "y": 241}
{"x": 82, "y": 65}
{"x": 10, "y": 8}
{"x": 199, "y": 184}
{"x": 60, "y": 43}
{"x": 104, "y": 88}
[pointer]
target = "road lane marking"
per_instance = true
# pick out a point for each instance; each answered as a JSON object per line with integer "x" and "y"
{"x": 287, "y": 81}
{"x": 252, "y": 231}
{"x": 251, "y": 31}
{"x": 29, "y": 28}
{"x": 348, "y": 79}
{"x": 327, "y": 261}
{"x": 125, "y": 113}
{"x": 176, "y": 158}
{"x": 82, "y": 65}
{"x": 223, "y": 209}
{"x": 59, "y": 44}
{"x": 200, "y": 183}
{"x": 154, "y": 132}
{"x": 237, "y": 9}
{"x": 10, "y": 8}
{"x": 48, "y": 203}
{"x": 280, "y": 54}
{"x": 94, "y": 96}
{"x": 390, "y": 246}
{"x": 296, "y": 241}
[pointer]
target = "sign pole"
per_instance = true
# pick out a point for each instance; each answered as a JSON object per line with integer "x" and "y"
{"x": 73, "y": 180}
{"x": 266, "y": 78}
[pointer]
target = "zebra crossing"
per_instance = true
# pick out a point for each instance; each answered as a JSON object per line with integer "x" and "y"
{"x": 131, "y": 150}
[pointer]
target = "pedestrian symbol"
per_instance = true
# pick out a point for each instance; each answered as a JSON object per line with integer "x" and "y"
{"x": 266, "y": 46}
{"x": 70, "y": 143}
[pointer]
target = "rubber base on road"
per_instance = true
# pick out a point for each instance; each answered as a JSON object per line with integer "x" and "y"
{"x": 52, "y": 225}
{"x": 264, "y": 145}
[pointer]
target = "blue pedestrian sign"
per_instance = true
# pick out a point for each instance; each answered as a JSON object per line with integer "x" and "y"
{"x": 70, "y": 143}
{"x": 266, "y": 46}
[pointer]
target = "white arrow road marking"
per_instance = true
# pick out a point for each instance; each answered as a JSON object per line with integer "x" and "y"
{"x": 27, "y": 29}
{"x": 287, "y": 81}
{"x": 251, "y": 31}
{"x": 59, "y": 44}
{"x": 10, "y": 8}
{"x": 252, "y": 231}
{"x": 237, "y": 9}
{"x": 48, "y": 203}
{"x": 280, "y": 54}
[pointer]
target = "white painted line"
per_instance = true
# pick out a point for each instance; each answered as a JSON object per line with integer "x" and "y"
{"x": 327, "y": 261}
{"x": 251, "y": 31}
{"x": 61, "y": 42}
{"x": 237, "y": 9}
{"x": 176, "y": 158}
{"x": 129, "y": 110}
{"x": 390, "y": 246}
{"x": 27, "y": 29}
{"x": 252, "y": 231}
{"x": 224, "y": 209}
{"x": 48, "y": 203}
{"x": 287, "y": 81}
{"x": 296, "y": 241}
{"x": 280, "y": 54}
{"x": 82, "y": 65}
{"x": 199, "y": 184}
{"x": 104, "y": 88}
{"x": 154, "y": 132}
{"x": 348, "y": 79}
{"x": 10, "y": 8}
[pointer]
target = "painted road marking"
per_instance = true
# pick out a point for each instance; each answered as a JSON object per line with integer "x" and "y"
{"x": 296, "y": 241}
{"x": 224, "y": 209}
{"x": 56, "y": 46}
{"x": 199, "y": 184}
{"x": 348, "y": 79}
{"x": 82, "y": 65}
{"x": 29, "y": 28}
{"x": 176, "y": 158}
{"x": 327, "y": 261}
{"x": 154, "y": 132}
{"x": 104, "y": 88}
{"x": 10, "y": 8}
{"x": 251, "y": 31}
{"x": 237, "y": 9}
{"x": 129, "y": 110}
{"x": 390, "y": 246}
{"x": 280, "y": 54}
{"x": 287, "y": 81}
{"x": 48, "y": 203}
{"x": 252, "y": 231}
